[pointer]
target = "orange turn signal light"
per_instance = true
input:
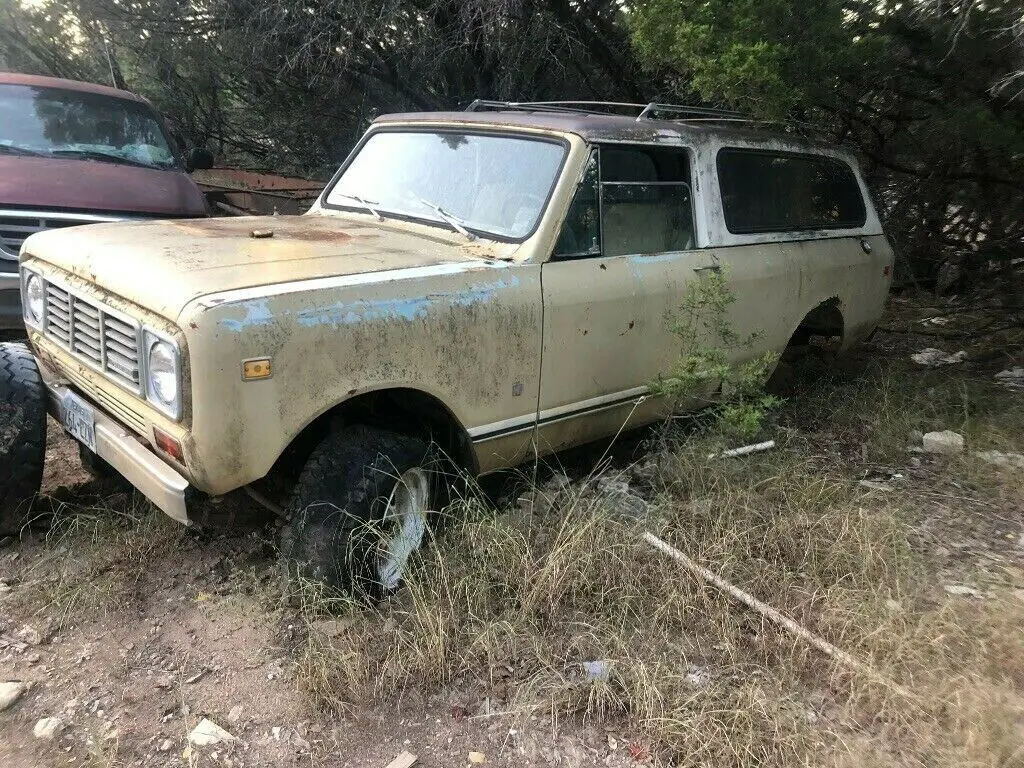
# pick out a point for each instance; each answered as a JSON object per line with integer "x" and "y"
{"x": 256, "y": 369}
{"x": 169, "y": 445}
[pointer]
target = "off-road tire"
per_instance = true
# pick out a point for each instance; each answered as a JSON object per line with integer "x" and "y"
{"x": 339, "y": 497}
{"x": 22, "y": 435}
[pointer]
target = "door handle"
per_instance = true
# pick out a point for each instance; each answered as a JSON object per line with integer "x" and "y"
{"x": 716, "y": 268}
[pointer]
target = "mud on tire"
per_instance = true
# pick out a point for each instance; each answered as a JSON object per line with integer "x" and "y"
{"x": 339, "y": 501}
{"x": 22, "y": 435}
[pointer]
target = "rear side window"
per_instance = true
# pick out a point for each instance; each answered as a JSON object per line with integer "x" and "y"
{"x": 766, "y": 191}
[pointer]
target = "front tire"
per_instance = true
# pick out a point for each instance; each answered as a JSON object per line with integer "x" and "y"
{"x": 22, "y": 435}
{"x": 360, "y": 509}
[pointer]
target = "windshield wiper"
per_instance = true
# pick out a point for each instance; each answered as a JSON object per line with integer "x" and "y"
{"x": 13, "y": 150}
{"x": 453, "y": 221}
{"x": 105, "y": 157}
{"x": 367, "y": 204}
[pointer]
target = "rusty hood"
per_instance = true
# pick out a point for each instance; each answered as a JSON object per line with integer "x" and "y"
{"x": 164, "y": 265}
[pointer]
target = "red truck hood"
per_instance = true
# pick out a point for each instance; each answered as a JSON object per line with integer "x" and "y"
{"x": 48, "y": 183}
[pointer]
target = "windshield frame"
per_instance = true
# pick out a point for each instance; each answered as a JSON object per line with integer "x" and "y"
{"x": 130, "y": 102}
{"x": 496, "y": 131}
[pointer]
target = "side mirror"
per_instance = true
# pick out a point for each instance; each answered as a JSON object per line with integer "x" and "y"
{"x": 199, "y": 159}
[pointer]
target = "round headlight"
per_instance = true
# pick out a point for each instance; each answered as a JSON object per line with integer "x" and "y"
{"x": 34, "y": 298}
{"x": 163, "y": 372}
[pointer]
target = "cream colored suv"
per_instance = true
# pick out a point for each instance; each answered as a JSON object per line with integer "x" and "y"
{"x": 476, "y": 287}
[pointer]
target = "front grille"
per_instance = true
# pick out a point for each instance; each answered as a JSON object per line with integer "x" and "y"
{"x": 127, "y": 416}
{"x": 94, "y": 334}
{"x": 16, "y": 226}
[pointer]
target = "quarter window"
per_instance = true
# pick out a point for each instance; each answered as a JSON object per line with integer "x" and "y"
{"x": 785, "y": 192}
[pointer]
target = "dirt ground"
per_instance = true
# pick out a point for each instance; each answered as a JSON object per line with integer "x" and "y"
{"x": 161, "y": 626}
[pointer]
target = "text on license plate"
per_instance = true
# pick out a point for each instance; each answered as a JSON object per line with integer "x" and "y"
{"x": 79, "y": 419}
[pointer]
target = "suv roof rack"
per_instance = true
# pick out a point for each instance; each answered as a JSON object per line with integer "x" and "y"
{"x": 650, "y": 111}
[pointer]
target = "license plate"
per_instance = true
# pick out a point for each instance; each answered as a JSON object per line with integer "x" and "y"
{"x": 79, "y": 419}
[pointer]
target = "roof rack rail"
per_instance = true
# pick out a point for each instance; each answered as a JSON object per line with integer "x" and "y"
{"x": 582, "y": 107}
{"x": 648, "y": 111}
{"x": 687, "y": 112}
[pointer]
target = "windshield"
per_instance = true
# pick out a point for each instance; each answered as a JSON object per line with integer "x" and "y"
{"x": 53, "y": 122}
{"x": 495, "y": 185}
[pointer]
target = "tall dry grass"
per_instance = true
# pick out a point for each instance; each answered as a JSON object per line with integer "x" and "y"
{"x": 508, "y": 605}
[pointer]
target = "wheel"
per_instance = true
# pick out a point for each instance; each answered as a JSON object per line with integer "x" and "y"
{"x": 360, "y": 509}
{"x": 22, "y": 435}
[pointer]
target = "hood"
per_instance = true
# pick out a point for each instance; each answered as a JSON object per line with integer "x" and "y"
{"x": 163, "y": 265}
{"x": 95, "y": 186}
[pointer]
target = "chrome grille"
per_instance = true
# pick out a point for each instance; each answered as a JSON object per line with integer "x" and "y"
{"x": 94, "y": 334}
{"x": 16, "y": 226}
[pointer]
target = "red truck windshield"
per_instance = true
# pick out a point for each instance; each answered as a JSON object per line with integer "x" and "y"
{"x": 53, "y": 122}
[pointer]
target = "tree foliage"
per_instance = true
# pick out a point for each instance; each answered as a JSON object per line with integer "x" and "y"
{"x": 930, "y": 93}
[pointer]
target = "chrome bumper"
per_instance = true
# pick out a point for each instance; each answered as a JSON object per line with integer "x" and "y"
{"x": 122, "y": 450}
{"x": 9, "y": 281}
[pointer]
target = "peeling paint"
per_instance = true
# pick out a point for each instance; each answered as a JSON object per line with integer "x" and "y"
{"x": 257, "y": 313}
{"x": 408, "y": 309}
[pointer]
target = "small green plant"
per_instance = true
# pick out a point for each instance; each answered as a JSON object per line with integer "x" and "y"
{"x": 714, "y": 359}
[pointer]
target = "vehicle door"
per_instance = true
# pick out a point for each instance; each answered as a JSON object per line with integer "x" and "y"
{"x": 625, "y": 256}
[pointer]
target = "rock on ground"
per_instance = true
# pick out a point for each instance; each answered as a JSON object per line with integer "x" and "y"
{"x": 207, "y": 733}
{"x": 946, "y": 442}
{"x": 48, "y": 728}
{"x": 9, "y": 694}
{"x": 1001, "y": 459}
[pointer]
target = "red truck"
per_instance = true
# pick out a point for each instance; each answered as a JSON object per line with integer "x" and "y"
{"x": 76, "y": 153}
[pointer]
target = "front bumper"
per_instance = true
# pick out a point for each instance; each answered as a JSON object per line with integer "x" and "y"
{"x": 10, "y": 302}
{"x": 126, "y": 453}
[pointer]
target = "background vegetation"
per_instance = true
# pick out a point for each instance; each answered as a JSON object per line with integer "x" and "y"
{"x": 929, "y": 92}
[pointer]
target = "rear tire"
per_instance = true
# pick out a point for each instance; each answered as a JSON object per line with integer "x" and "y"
{"x": 22, "y": 435}
{"x": 360, "y": 509}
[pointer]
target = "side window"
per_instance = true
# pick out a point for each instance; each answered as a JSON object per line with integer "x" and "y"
{"x": 645, "y": 200}
{"x": 581, "y": 231}
{"x": 765, "y": 191}
{"x": 632, "y": 200}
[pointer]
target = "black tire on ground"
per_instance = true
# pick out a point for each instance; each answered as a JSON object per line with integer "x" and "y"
{"x": 339, "y": 502}
{"x": 22, "y": 435}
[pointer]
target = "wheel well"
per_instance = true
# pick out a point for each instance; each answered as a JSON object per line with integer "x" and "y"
{"x": 406, "y": 411}
{"x": 826, "y": 319}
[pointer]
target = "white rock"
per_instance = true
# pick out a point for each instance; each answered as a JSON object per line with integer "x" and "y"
{"x": 48, "y": 728}
{"x": 946, "y": 442}
{"x": 165, "y": 745}
{"x": 10, "y": 693}
{"x": 1000, "y": 459}
{"x": 1012, "y": 378}
{"x": 207, "y": 733}
{"x": 933, "y": 358}
{"x": 235, "y": 714}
